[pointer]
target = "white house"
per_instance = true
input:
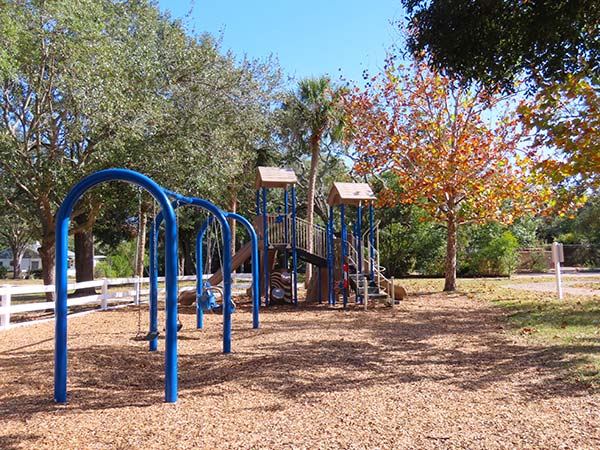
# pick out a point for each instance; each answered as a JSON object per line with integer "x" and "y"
{"x": 32, "y": 261}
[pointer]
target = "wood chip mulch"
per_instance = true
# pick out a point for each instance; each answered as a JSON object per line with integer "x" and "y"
{"x": 438, "y": 371}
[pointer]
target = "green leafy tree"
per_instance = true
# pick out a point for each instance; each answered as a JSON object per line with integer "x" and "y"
{"x": 73, "y": 84}
{"x": 497, "y": 41}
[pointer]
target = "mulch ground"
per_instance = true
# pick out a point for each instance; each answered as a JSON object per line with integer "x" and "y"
{"x": 438, "y": 371}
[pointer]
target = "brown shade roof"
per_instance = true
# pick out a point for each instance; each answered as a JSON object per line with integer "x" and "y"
{"x": 275, "y": 177}
{"x": 349, "y": 194}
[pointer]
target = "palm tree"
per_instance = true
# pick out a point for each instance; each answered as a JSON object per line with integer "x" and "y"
{"x": 310, "y": 117}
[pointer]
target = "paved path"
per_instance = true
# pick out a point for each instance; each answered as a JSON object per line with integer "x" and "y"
{"x": 569, "y": 287}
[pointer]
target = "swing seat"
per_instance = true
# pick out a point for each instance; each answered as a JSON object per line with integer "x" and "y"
{"x": 219, "y": 308}
{"x": 207, "y": 301}
{"x": 151, "y": 336}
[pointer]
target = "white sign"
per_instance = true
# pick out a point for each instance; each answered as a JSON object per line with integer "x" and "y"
{"x": 558, "y": 256}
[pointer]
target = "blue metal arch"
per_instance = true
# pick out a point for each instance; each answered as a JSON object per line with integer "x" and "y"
{"x": 255, "y": 266}
{"x": 62, "y": 232}
{"x": 220, "y": 216}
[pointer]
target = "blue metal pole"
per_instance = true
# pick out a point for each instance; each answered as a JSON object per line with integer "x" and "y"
{"x": 200, "y": 272}
{"x": 265, "y": 246}
{"x": 286, "y": 211}
{"x": 359, "y": 240}
{"x": 344, "y": 252}
{"x": 62, "y": 228}
{"x": 255, "y": 266}
{"x": 330, "y": 259}
{"x": 257, "y": 203}
{"x": 359, "y": 250}
{"x": 294, "y": 250}
{"x": 372, "y": 240}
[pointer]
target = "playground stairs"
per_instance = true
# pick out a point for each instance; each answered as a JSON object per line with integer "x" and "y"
{"x": 356, "y": 281}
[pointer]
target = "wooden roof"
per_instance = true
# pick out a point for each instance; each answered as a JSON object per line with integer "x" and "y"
{"x": 349, "y": 194}
{"x": 275, "y": 177}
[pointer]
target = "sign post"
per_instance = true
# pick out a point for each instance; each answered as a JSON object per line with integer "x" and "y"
{"x": 558, "y": 256}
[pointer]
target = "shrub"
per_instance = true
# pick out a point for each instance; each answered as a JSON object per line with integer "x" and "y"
{"x": 35, "y": 274}
{"x": 3, "y": 271}
{"x": 497, "y": 258}
{"x": 115, "y": 266}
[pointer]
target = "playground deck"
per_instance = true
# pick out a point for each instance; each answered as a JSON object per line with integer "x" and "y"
{"x": 437, "y": 372}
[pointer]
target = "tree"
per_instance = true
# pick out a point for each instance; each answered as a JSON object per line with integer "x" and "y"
{"x": 429, "y": 131}
{"x": 496, "y": 41}
{"x": 565, "y": 117}
{"x": 16, "y": 234}
{"x": 310, "y": 116}
{"x": 75, "y": 80}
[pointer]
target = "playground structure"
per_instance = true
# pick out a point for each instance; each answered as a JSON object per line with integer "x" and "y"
{"x": 342, "y": 266}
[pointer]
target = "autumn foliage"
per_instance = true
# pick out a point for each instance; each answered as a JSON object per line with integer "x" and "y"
{"x": 452, "y": 156}
{"x": 566, "y": 117}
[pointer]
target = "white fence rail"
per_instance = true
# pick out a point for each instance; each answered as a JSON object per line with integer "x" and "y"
{"x": 10, "y": 293}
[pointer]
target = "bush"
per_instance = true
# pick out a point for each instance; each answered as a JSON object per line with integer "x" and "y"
{"x": 115, "y": 266}
{"x": 34, "y": 274}
{"x": 497, "y": 258}
{"x": 3, "y": 271}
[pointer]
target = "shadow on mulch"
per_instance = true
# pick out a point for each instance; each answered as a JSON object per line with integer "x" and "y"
{"x": 399, "y": 351}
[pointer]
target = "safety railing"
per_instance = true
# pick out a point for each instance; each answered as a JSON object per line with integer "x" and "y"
{"x": 319, "y": 238}
{"x": 279, "y": 229}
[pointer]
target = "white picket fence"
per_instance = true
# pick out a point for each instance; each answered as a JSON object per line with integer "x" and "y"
{"x": 137, "y": 289}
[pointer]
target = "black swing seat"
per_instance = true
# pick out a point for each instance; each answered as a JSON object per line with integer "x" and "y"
{"x": 147, "y": 337}
{"x": 151, "y": 336}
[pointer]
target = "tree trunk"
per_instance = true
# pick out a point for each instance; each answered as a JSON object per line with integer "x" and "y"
{"x": 16, "y": 262}
{"x": 451, "y": 248}
{"x": 310, "y": 201}
{"x": 141, "y": 241}
{"x": 187, "y": 252}
{"x": 47, "y": 253}
{"x": 84, "y": 257}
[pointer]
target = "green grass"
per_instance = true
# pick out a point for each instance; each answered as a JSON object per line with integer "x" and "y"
{"x": 571, "y": 326}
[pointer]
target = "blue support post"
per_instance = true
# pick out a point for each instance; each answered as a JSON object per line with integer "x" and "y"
{"x": 62, "y": 228}
{"x": 265, "y": 246}
{"x": 257, "y": 203}
{"x": 344, "y": 252}
{"x": 286, "y": 211}
{"x": 371, "y": 241}
{"x": 286, "y": 231}
{"x": 330, "y": 259}
{"x": 359, "y": 240}
{"x": 294, "y": 250}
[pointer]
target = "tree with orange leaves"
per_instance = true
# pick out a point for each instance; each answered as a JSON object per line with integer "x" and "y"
{"x": 430, "y": 131}
{"x": 565, "y": 117}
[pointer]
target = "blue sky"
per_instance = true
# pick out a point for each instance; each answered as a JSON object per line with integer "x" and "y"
{"x": 309, "y": 38}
